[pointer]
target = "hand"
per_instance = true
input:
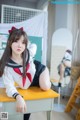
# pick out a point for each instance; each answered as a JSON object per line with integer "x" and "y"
{"x": 20, "y": 104}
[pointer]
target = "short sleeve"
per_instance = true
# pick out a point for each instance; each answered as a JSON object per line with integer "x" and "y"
{"x": 68, "y": 56}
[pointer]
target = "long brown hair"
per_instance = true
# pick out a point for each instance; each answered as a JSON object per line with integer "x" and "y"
{"x": 13, "y": 36}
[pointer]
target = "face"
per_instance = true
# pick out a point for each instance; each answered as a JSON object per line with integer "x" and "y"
{"x": 18, "y": 47}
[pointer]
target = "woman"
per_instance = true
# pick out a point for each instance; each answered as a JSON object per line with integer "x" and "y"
{"x": 64, "y": 68}
{"x": 17, "y": 66}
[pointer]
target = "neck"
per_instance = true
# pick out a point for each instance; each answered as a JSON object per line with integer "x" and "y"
{"x": 17, "y": 58}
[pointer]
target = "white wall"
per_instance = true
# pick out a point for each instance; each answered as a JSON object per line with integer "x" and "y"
{"x": 51, "y": 28}
{"x": 61, "y": 16}
{"x": 70, "y": 16}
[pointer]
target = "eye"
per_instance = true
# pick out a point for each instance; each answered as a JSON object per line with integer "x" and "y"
{"x": 16, "y": 40}
{"x": 23, "y": 42}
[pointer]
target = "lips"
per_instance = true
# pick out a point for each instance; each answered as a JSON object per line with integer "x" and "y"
{"x": 18, "y": 49}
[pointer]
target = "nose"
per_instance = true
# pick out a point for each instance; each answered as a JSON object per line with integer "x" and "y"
{"x": 19, "y": 44}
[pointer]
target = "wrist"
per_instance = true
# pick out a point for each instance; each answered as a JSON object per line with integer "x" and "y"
{"x": 15, "y": 95}
{"x": 18, "y": 97}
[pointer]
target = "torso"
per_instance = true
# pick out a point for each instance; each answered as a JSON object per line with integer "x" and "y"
{"x": 12, "y": 67}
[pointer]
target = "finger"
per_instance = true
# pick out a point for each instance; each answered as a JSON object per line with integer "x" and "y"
{"x": 19, "y": 109}
{"x": 25, "y": 108}
{"x": 22, "y": 110}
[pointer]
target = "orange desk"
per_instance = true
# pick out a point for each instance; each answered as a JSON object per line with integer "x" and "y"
{"x": 36, "y": 99}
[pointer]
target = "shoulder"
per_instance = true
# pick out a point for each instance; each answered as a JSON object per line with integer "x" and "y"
{"x": 7, "y": 70}
{"x": 12, "y": 64}
{"x": 8, "y": 73}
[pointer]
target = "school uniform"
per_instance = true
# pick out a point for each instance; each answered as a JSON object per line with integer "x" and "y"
{"x": 13, "y": 79}
{"x": 67, "y": 57}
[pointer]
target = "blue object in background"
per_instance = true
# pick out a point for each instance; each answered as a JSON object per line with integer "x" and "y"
{"x": 38, "y": 42}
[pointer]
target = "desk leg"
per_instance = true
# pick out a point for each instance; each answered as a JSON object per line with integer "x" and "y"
{"x": 48, "y": 115}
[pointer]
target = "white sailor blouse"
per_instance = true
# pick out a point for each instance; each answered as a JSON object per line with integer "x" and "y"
{"x": 67, "y": 56}
{"x": 12, "y": 76}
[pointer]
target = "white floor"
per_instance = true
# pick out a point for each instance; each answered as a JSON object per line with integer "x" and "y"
{"x": 54, "y": 115}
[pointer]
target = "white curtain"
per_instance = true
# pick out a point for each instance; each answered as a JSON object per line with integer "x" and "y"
{"x": 36, "y": 26}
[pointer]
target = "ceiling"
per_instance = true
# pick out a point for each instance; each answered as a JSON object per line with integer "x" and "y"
{"x": 24, "y": 3}
{"x": 31, "y": 0}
